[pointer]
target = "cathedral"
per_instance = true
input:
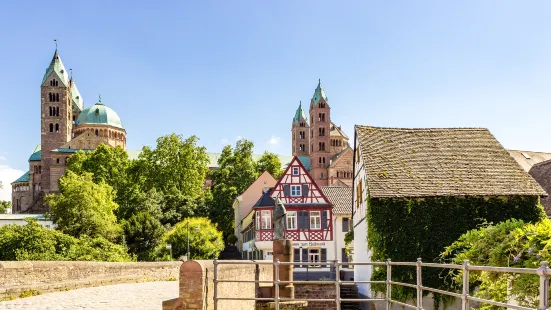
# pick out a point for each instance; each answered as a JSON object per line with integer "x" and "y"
{"x": 65, "y": 128}
{"x": 321, "y": 145}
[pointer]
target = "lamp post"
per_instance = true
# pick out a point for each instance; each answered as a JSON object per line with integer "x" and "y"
{"x": 169, "y": 246}
{"x": 188, "y": 252}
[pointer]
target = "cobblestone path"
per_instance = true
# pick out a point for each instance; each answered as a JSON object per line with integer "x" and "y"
{"x": 135, "y": 296}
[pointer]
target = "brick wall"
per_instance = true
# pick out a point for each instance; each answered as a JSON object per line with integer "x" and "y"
{"x": 47, "y": 276}
{"x": 320, "y": 291}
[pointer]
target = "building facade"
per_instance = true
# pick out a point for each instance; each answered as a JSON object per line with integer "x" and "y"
{"x": 323, "y": 143}
{"x": 66, "y": 127}
{"x": 309, "y": 220}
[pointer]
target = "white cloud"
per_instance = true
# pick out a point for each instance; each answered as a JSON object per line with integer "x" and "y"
{"x": 274, "y": 140}
{"x": 3, "y": 158}
{"x": 8, "y": 175}
{"x": 224, "y": 141}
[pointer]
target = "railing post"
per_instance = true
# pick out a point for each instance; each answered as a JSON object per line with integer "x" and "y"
{"x": 419, "y": 284}
{"x": 215, "y": 280}
{"x": 337, "y": 284}
{"x": 388, "y": 285}
{"x": 544, "y": 286}
{"x": 465, "y": 291}
{"x": 276, "y": 283}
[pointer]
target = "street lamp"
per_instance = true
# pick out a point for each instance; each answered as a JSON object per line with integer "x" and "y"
{"x": 188, "y": 252}
{"x": 169, "y": 246}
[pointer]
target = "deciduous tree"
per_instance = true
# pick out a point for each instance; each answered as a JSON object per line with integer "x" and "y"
{"x": 205, "y": 241}
{"x": 270, "y": 162}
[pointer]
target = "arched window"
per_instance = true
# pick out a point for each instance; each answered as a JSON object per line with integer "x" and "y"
{"x": 51, "y": 127}
{"x": 56, "y": 127}
{"x": 40, "y": 169}
{"x": 96, "y": 132}
{"x": 57, "y": 111}
{"x": 57, "y": 97}
{"x": 57, "y": 161}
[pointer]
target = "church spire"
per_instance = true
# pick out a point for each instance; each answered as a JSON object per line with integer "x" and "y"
{"x": 319, "y": 94}
{"x": 300, "y": 115}
{"x": 56, "y": 65}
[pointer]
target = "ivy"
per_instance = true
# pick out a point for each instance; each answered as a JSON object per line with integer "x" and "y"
{"x": 348, "y": 238}
{"x": 404, "y": 229}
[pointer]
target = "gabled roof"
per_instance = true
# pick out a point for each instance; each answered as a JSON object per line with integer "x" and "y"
{"x": 425, "y": 162}
{"x": 265, "y": 200}
{"x": 541, "y": 172}
{"x": 340, "y": 197}
{"x": 336, "y": 131}
{"x": 527, "y": 159}
{"x": 300, "y": 115}
{"x": 24, "y": 178}
{"x": 56, "y": 65}
{"x": 319, "y": 94}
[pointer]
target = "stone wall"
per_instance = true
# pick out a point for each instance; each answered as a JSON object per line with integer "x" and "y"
{"x": 317, "y": 291}
{"x": 47, "y": 276}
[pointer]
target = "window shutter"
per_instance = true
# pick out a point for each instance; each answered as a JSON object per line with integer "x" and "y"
{"x": 307, "y": 219}
{"x": 323, "y": 255}
{"x": 304, "y": 190}
{"x": 296, "y": 255}
{"x": 323, "y": 219}
{"x": 344, "y": 224}
{"x": 286, "y": 190}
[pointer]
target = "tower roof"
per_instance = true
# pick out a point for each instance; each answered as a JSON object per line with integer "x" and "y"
{"x": 56, "y": 65}
{"x": 299, "y": 115}
{"x": 78, "y": 101}
{"x": 99, "y": 114}
{"x": 319, "y": 93}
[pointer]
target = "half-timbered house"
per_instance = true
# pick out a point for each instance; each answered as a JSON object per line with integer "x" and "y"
{"x": 309, "y": 219}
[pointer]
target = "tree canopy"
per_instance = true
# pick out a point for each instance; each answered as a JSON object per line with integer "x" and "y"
{"x": 4, "y": 206}
{"x": 269, "y": 162}
{"x": 85, "y": 208}
{"x": 205, "y": 241}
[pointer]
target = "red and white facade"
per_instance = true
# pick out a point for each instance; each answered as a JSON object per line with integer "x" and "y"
{"x": 309, "y": 219}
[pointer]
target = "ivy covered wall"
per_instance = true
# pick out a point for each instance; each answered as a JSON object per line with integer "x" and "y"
{"x": 404, "y": 229}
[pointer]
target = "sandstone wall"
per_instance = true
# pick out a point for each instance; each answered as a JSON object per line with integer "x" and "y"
{"x": 317, "y": 291}
{"x": 47, "y": 276}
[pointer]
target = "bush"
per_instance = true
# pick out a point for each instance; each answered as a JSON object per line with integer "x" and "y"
{"x": 205, "y": 241}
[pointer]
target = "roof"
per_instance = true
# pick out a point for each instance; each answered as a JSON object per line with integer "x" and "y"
{"x": 64, "y": 150}
{"x": 265, "y": 200}
{"x": 336, "y": 131}
{"x": 340, "y": 197}
{"x": 425, "y": 162}
{"x": 213, "y": 158}
{"x": 78, "y": 102}
{"x": 527, "y": 159}
{"x": 99, "y": 114}
{"x": 319, "y": 93}
{"x": 299, "y": 115}
{"x": 22, "y": 216}
{"x": 24, "y": 178}
{"x": 56, "y": 65}
{"x": 541, "y": 172}
{"x": 37, "y": 154}
{"x": 305, "y": 160}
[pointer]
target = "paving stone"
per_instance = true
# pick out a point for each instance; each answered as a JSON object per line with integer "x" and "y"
{"x": 135, "y": 296}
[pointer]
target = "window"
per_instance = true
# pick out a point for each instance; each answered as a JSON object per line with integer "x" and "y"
{"x": 292, "y": 220}
{"x": 301, "y": 147}
{"x": 266, "y": 219}
{"x": 359, "y": 194}
{"x": 358, "y": 156}
{"x": 57, "y": 160}
{"x": 321, "y": 146}
{"x": 345, "y": 224}
{"x": 295, "y": 170}
{"x": 301, "y": 135}
{"x": 56, "y": 127}
{"x": 314, "y": 256}
{"x": 51, "y": 127}
{"x": 315, "y": 220}
{"x": 321, "y": 117}
{"x": 321, "y": 132}
{"x": 295, "y": 190}
{"x": 257, "y": 220}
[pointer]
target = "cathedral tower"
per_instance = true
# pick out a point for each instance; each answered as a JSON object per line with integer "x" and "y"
{"x": 320, "y": 124}
{"x": 56, "y": 115}
{"x": 300, "y": 131}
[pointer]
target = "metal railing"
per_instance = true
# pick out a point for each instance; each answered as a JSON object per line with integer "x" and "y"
{"x": 543, "y": 272}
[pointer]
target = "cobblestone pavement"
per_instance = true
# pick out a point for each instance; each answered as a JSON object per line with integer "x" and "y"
{"x": 135, "y": 296}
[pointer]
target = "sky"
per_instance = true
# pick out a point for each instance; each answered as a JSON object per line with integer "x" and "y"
{"x": 222, "y": 70}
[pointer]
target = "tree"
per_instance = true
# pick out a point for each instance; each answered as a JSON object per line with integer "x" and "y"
{"x": 236, "y": 172}
{"x": 4, "y": 206}
{"x": 269, "y": 162}
{"x": 205, "y": 241}
{"x": 144, "y": 233}
{"x": 85, "y": 208}
{"x": 177, "y": 168}
{"x": 33, "y": 241}
{"x": 512, "y": 243}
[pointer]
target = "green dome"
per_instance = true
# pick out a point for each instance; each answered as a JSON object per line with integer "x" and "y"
{"x": 99, "y": 114}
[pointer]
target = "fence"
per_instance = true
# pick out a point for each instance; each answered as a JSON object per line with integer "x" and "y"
{"x": 543, "y": 272}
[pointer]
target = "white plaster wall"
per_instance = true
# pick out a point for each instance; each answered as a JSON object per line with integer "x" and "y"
{"x": 361, "y": 250}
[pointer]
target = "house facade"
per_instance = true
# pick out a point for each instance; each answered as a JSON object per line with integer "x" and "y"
{"x": 309, "y": 221}
{"x": 405, "y": 174}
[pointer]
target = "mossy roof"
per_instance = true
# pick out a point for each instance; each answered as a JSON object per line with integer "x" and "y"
{"x": 424, "y": 162}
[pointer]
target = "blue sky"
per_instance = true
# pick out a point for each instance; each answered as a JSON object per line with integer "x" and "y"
{"x": 227, "y": 69}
